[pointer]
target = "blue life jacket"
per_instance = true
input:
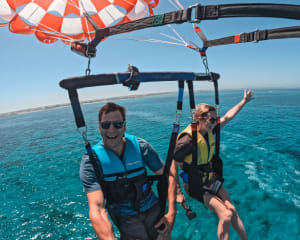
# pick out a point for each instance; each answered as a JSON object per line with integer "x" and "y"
{"x": 124, "y": 181}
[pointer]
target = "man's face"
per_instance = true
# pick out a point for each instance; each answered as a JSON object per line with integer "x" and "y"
{"x": 112, "y": 128}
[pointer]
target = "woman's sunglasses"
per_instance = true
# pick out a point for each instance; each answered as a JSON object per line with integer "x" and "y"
{"x": 212, "y": 120}
{"x": 116, "y": 124}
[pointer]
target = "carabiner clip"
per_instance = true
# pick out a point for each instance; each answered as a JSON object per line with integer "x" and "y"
{"x": 83, "y": 133}
{"x": 88, "y": 70}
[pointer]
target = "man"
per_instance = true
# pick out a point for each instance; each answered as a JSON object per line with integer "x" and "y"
{"x": 132, "y": 204}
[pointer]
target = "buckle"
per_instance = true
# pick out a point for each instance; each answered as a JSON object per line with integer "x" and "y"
{"x": 255, "y": 36}
{"x": 194, "y": 8}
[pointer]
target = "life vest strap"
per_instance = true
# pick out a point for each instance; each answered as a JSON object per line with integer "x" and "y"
{"x": 128, "y": 190}
{"x": 123, "y": 174}
{"x": 97, "y": 168}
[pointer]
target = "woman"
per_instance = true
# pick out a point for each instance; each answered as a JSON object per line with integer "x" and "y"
{"x": 199, "y": 181}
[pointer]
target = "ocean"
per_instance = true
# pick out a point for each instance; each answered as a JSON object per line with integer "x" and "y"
{"x": 40, "y": 152}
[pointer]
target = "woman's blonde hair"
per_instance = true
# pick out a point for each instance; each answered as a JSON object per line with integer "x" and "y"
{"x": 203, "y": 109}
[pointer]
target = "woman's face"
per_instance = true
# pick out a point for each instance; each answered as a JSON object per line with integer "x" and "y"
{"x": 208, "y": 122}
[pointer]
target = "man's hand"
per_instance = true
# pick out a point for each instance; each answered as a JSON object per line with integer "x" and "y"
{"x": 164, "y": 227}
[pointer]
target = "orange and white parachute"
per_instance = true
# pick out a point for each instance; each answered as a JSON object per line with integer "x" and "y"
{"x": 51, "y": 20}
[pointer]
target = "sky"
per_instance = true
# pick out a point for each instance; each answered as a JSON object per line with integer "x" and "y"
{"x": 31, "y": 70}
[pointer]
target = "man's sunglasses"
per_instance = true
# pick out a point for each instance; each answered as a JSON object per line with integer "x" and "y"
{"x": 117, "y": 124}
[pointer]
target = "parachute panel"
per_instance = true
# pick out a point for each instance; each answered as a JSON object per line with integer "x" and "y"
{"x": 6, "y": 12}
{"x": 139, "y": 11}
{"x": 32, "y": 13}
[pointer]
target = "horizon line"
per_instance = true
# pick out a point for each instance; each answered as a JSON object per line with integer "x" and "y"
{"x": 48, "y": 107}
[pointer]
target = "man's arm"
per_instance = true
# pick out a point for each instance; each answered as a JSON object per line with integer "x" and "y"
{"x": 97, "y": 212}
{"x": 98, "y": 216}
{"x": 233, "y": 111}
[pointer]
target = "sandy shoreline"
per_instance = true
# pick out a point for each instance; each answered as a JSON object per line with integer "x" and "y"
{"x": 43, "y": 108}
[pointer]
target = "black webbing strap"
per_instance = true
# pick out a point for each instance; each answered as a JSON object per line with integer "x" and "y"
{"x": 96, "y": 166}
{"x": 79, "y": 119}
{"x": 179, "y": 16}
{"x": 162, "y": 186}
{"x": 208, "y": 12}
{"x": 194, "y": 144}
{"x": 180, "y": 95}
{"x": 217, "y": 161}
{"x": 256, "y": 36}
{"x": 171, "y": 149}
{"x": 122, "y": 174}
{"x": 193, "y": 124}
{"x": 247, "y": 10}
{"x": 217, "y": 147}
{"x": 90, "y": 20}
{"x": 191, "y": 94}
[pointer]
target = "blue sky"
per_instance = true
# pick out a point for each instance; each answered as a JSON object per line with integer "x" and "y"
{"x": 31, "y": 71}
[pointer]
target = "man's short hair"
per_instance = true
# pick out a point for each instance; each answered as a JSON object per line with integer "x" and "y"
{"x": 111, "y": 107}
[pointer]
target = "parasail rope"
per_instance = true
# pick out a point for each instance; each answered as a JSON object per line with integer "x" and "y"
{"x": 73, "y": 4}
{"x": 177, "y": 2}
{"x": 168, "y": 36}
{"x": 64, "y": 36}
{"x": 177, "y": 33}
{"x": 85, "y": 21}
{"x": 170, "y": 1}
{"x": 151, "y": 40}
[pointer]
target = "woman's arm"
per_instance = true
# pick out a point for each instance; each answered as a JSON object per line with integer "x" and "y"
{"x": 233, "y": 111}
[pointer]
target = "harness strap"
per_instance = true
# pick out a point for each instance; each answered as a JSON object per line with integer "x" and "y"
{"x": 217, "y": 148}
{"x": 193, "y": 124}
{"x": 79, "y": 119}
{"x": 256, "y": 36}
{"x": 191, "y": 95}
{"x": 97, "y": 167}
{"x": 208, "y": 12}
{"x": 123, "y": 174}
{"x": 162, "y": 186}
{"x": 217, "y": 161}
{"x": 179, "y": 16}
{"x": 180, "y": 95}
{"x": 199, "y": 32}
{"x": 247, "y": 10}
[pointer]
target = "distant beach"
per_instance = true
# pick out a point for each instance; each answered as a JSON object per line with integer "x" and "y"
{"x": 43, "y": 108}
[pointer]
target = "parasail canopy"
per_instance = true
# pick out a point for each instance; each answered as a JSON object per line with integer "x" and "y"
{"x": 51, "y": 20}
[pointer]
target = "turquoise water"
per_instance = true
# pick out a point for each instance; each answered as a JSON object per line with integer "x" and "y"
{"x": 41, "y": 193}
